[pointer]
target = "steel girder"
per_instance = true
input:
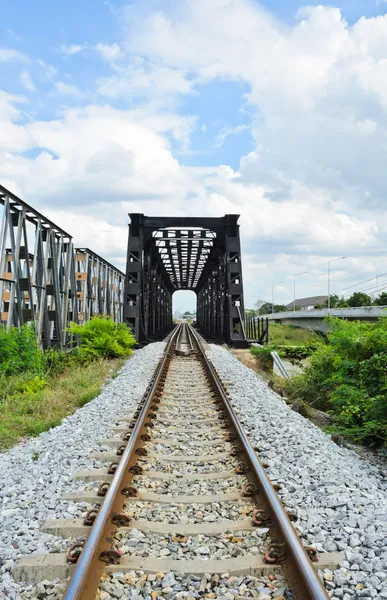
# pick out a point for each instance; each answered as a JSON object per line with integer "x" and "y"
{"x": 166, "y": 254}
{"x": 55, "y": 283}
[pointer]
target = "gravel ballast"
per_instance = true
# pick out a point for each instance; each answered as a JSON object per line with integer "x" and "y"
{"x": 36, "y": 473}
{"x": 340, "y": 498}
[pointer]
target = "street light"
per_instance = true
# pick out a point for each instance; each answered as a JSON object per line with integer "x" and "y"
{"x": 294, "y": 288}
{"x": 272, "y": 295}
{"x": 329, "y": 279}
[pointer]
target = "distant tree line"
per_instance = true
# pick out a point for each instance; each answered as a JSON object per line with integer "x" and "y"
{"x": 357, "y": 299}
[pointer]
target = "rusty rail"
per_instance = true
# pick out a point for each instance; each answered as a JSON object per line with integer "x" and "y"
{"x": 299, "y": 571}
{"x": 85, "y": 580}
{"x": 302, "y": 578}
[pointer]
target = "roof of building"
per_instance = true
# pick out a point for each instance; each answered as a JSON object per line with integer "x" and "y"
{"x": 309, "y": 301}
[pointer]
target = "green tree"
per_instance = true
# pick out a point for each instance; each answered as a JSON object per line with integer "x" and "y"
{"x": 381, "y": 300}
{"x": 265, "y": 308}
{"x": 250, "y": 313}
{"x": 359, "y": 299}
{"x": 342, "y": 303}
{"x": 334, "y": 301}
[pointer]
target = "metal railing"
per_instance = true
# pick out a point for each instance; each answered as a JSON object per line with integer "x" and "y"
{"x": 318, "y": 313}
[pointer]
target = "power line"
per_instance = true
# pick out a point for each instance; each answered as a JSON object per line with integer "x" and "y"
{"x": 372, "y": 287}
{"x": 362, "y": 282}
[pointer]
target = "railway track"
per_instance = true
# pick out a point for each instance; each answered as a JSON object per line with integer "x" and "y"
{"x": 182, "y": 490}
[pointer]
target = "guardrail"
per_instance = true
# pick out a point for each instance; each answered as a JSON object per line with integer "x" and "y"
{"x": 317, "y": 313}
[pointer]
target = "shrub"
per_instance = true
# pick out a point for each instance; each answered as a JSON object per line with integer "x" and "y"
{"x": 348, "y": 378}
{"x": 101, "y": 337}
{"x": 55, "y": 361}
{"x": 262, "y": 354}
{"x": 19, "y": 350}
{"x": 293, "y": 353}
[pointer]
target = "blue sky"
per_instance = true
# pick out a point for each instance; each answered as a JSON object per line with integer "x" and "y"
{"x": 273, "y": 110}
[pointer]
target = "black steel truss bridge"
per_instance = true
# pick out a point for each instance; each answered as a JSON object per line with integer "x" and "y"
{"x": 46, "y": 280}
{"x": 167, "y": 254}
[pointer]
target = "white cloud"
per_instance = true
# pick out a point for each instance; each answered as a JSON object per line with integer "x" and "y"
{"x": 312, "y": 188}
{"x": 10, "y": 55}
{"x": 230, "y": 131}
{"x": 14, "y": 136}
{"x": 67, "y": 89}
{"x": 110, "y": 53}
{"x": 72, "y": 49}
{"x": 49, "y": 71}
{"x": 27, "y": 82}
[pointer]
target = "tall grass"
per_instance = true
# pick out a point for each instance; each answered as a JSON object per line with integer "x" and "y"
{"x": 38, "y": 389}
{"x": 289, "y": 335}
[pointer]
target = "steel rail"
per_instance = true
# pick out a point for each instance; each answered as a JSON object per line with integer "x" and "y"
{"x": 298, "y": 568}
{"x": 300, "y": 573}
{"x": 85, "y": 580}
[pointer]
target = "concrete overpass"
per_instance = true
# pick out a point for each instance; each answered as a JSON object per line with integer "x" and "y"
{"x": 314, "y": 319}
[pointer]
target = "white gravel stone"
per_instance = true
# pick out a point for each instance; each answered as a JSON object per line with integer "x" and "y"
{"x": 340, "y": 498}
{"x": 30, "y": 489}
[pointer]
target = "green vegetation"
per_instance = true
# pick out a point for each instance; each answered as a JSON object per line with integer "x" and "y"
{"x": 289, "y": 341}
{"x": 347, "y": 377}
{"x": 293, "y": 353}
{"x": 289, "y": 335}
{"x": 38, "y": 389}
{"x": 101, "y": 337}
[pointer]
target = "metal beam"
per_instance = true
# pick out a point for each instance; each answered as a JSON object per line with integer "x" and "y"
{"x": 46, "y": 286}
{"x": 193, "y": 253}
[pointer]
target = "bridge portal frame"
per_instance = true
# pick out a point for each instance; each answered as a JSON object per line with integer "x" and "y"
{"x": 200, "y": 254}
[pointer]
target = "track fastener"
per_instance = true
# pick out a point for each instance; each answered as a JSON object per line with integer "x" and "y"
{"x": 111, "y": 557}
{"x": 129, "y": 492}
{"x": 74, "y": 552}
{"x": 141, "y": 452}
{"x": 259, "y": 517}
{"x": 91, "y": 515}
{"x": 292, "y": 514}
{"x": 103, "y": 488}
{"x": 112, "y": 468}
{"x": 121, "y": 519}
{"x": 121, "y": 450}
{"x": 312, "y": 553}
{"x": 241, "y": 468}
{"x": 274, "y": 554}
{"x": 248, "y": 490}
{"x": 136, "y": 469}
{"x": 235, "y": 451}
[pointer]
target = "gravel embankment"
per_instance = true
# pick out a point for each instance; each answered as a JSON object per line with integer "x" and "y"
{"x": 340, "y": 498}
{"x": 36, "y": 473}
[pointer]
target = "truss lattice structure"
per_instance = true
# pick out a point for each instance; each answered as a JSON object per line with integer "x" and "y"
{"x": 166, "y": 254}
{"x": 44, "y": 279}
